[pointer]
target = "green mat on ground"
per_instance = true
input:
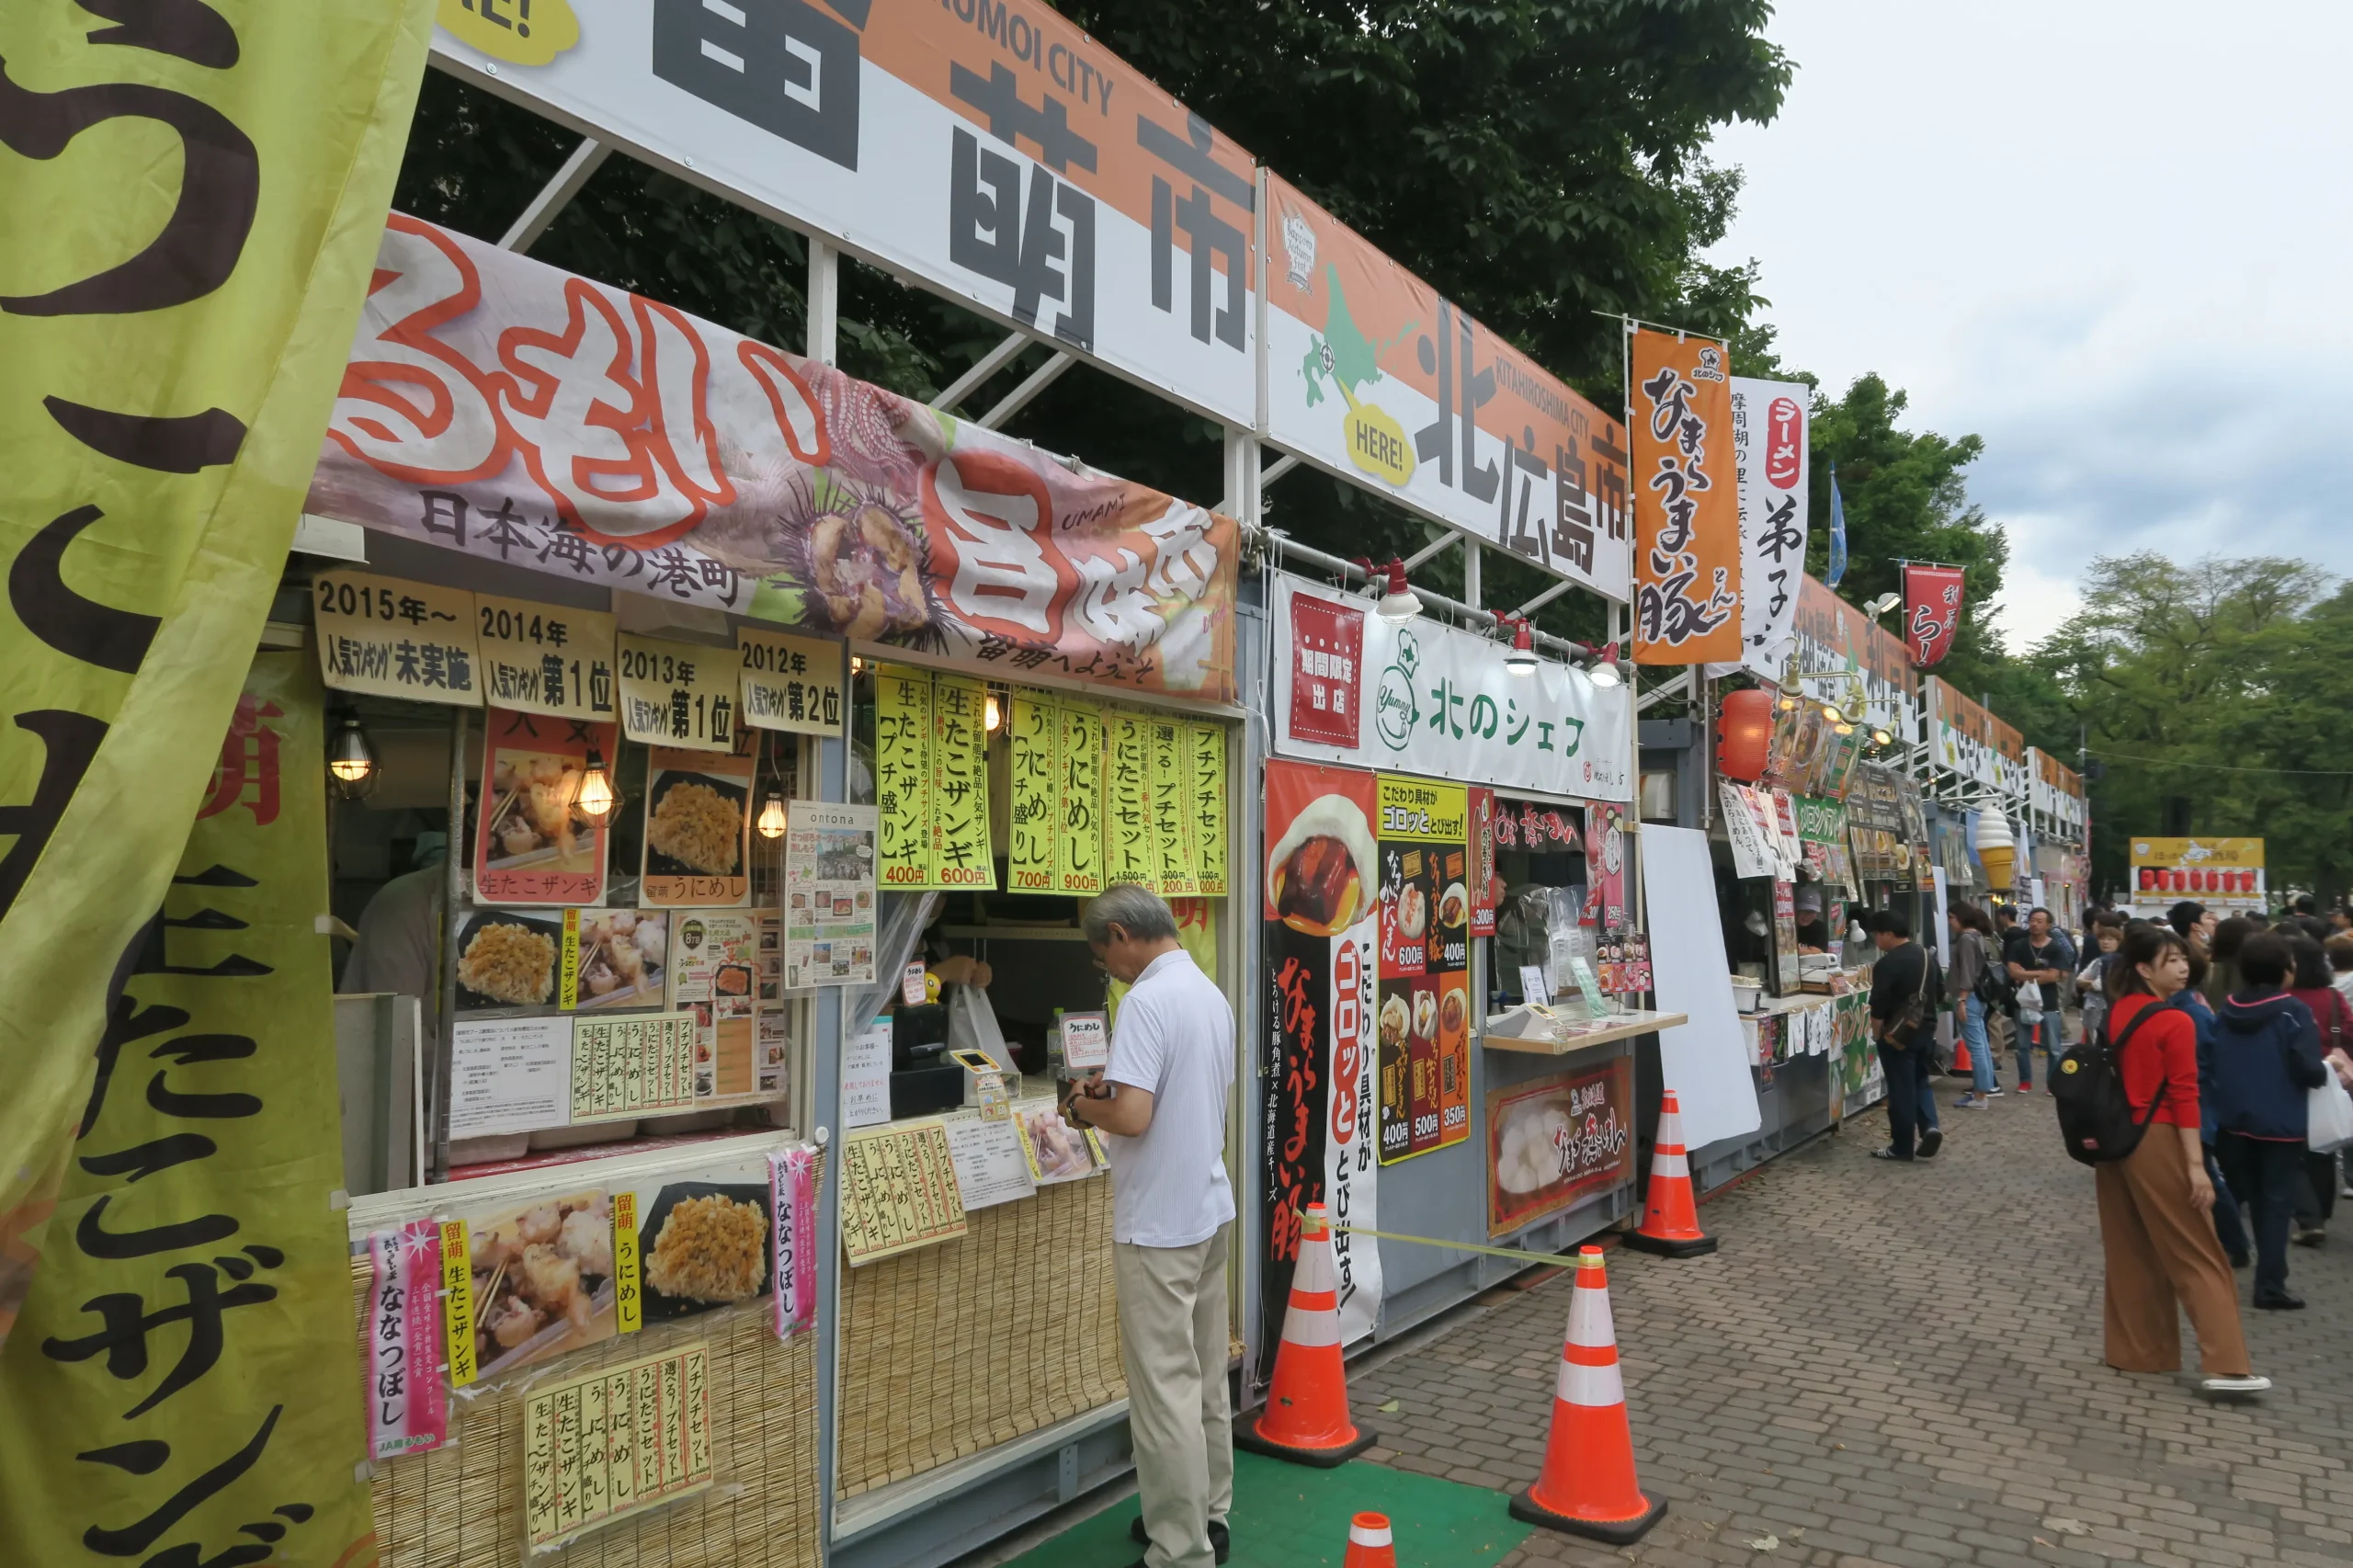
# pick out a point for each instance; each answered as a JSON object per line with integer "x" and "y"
{"x": 1289, "y": 1516}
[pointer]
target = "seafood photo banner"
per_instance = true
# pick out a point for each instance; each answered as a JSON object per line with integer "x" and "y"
{"x": 1687, "y": 502}
{"x": 1422, "y": 696}
{"x": 185, "y": 1376}
{"x": 192, "y": 195}
{"x": 506, "y": 410}
{"x": 1321, "y": 912}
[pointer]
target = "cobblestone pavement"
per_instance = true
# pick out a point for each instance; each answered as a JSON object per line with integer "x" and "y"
{"x": 1903, "y": 1366}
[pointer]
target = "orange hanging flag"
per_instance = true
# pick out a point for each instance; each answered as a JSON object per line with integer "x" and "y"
{"x": 1686, "y": 503}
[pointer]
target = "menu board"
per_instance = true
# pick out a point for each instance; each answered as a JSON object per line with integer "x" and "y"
{"x": 532, "y": 843}
{"x": 541, "y": 658}
{"x": 630, "y": 1067}
{"x": 828, "y": 896}
{"x": 790, "y": 683}
{"x": 1788, "y": 972}
{"x": 902, "y": 776}
{"x": 697, "y": 838}
{"x": 866, "y": 1075}
{"x": 389, "y": 638}
{"x": 607, "y": 1444}
{"x": 1129, "y": 854}
{"x": 1078, "y": 847}
{"x": 714, "y": 976}
{"x": 991, "y": 1166}
{"x": 1205, "y": 788}
{"x": 1033, "y": 815}
{"x": 960, "y": 784}
{"x": 899, "y": 1190}
{"x": 1172, "y": 815}
{"x": 509, "y": 1075}
{"x": 676, "y": 694}
{"x": 1422, "y": 830}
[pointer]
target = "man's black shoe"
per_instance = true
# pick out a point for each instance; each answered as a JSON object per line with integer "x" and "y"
{"x": 2280, "y": 1301}
{"x": 1930, "y": 1142}
{"x": 1221, "y": 1538}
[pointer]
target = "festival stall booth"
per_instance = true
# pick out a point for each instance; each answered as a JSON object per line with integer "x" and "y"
{"x": 1452, "y": 965}
{"x": 2062, "y": 861}
{"x": 2225, "y": 874}
{"x": 777, "y": 737}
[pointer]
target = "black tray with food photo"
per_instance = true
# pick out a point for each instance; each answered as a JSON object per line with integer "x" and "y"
{"x": 703, "y": 1244}
{"x": 694, "y": 825}
{"x": 507, "y": 960}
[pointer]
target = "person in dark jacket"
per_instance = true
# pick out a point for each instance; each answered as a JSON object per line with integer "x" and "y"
{"x": 2267, "y": 1056}
{"x": 2313, "y": 985}
{"x": 2230, "y": 1225}
{"x": 1904, "y": 974}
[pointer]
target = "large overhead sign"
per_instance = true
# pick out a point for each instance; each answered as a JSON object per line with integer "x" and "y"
{"x": 1834, "y": 636}
{"x": 990, "y": 151}
{"x": 1374, "y": 377}
{"x": 1965, "y": 738}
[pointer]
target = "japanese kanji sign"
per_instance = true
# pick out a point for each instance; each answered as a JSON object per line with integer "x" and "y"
{"x": 539, "y": 658}
{"x": 1437, "y": 701}
{"x": 899, "y": 1190}
{"x": 1172, "y": 815}
{"x": 1131, "y": 854}
{"x": 532, "y": 845}
{"x": 602, "y": 1446}
{"x": 676, "y": 694}
{"x": 1687, "y": 502}
{"x": 1769, "y": 453}
{"x": 1205, "y": 743}
{"x": 389, "y": 637}
{"x": 183, "y": 1370}
{"x": 1423, "y": 829}
{"x": 188, "y": 242}
{"x": 960, "y": 784}
{"x": 1078, "y": 847}
{"x": 1931, "y": 611}
{"x": 1033, "y": 817}
{"x": 1374, "y": 377}
{"x": 791, "y": 683}
{"x": 500, "y": 408}
{"x": 902, "y": 776}
{"x": 999, "y": 155}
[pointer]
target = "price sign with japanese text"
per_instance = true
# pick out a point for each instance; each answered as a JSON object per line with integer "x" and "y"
{"x": 545, "y": 659}
{"x": 1032, "y": 772}
{"x": 1172, "y": 817}
{"x": 676, "y": 694}
{"x": 902, "y": 776}
{"x": 1078, "y": 847}
{"x": 960, "y": 785}
{"x": 791, "y": 683}
{"x": 1206, "y": 795}
{"x": 391, "y": 638}
{"x": 604, "y": 1445}
{"x": 1129, "y": 855}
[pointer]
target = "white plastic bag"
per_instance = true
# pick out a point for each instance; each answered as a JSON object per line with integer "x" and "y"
{"x": 2328, "y": 1117}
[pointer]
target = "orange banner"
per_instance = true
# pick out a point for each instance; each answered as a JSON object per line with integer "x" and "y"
{"x": 1687, "y": 505}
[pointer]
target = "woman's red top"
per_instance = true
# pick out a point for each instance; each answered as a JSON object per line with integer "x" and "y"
{"x": 2165, "y": 1049}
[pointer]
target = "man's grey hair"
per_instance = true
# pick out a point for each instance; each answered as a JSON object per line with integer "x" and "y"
{"x": 1135, "y": 909}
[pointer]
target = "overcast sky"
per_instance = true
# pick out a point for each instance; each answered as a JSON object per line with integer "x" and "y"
{"x": 2113, "y": 239}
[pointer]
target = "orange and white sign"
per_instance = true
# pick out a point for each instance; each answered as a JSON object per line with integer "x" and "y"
{"x": 1374, "y": 377}
{"x": 1687, "y": 502}
{"x": 2224, "y": 872}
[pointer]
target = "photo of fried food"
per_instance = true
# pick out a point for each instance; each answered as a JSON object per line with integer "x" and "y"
{"x": 699, "y": 827}
{"x": 1319, "y": 870}
{"x": 543, "y": 1280}
{"x": 532, "y": 818}
{"x": 508, "y": 963}
{"x": 710, "y": 1248}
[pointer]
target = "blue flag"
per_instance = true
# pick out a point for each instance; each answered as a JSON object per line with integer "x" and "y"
{"x": 1838, "y": 533}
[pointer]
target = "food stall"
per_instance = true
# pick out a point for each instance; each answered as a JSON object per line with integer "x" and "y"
{"x": 1453, "y": 965}
{"x": 774, "y": 769}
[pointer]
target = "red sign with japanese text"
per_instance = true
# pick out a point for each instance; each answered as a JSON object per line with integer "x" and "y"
{"x": 1687, "y": 504}
{"x": 1326, "y": 670}
{"x": 1931, "y": 611}
{"x": 504, "y": 409}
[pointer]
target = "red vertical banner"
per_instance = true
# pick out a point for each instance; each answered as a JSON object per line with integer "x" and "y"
{"x": 1931, "y": 612}
{"x": 1686, "y": 501}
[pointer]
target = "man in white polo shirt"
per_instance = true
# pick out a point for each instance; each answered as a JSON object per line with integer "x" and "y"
{"x": 1162, "y": 1102}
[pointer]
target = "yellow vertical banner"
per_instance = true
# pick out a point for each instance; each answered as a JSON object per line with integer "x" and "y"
{"x": 194, "y": 201}
{"x": 194, "y": 1308}
{"x": 960, "y": 784}
{"x": 1205, "y": 790}
{"x": 1078, "y": 846}
{"x": 1033, "y": 770}
{"x": 1129, "y": 855}
{"x": 1172, "y": 818}
{"x": 902, "y": 776}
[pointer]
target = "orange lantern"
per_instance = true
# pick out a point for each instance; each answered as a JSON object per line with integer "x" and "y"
{"x": 1745, "y": 734}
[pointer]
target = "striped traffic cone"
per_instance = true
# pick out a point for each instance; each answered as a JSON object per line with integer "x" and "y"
{"x": 1369, "y": 1543}
{"x": 1306, "y": 1415}
{"x": 1671, "y": 1219}
{"x": 1587, "y": 1485}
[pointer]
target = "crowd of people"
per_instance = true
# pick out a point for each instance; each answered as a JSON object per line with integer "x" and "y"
{"x": 2221, "y": 1028}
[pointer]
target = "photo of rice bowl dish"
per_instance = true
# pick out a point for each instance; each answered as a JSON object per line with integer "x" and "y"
{"x": 1319, "y": 871}
{"x": 704, "y": 1245}
{"x": 696, "y": 827}
{"x": 506, "y": 961}
{"x": 1453, "y": 906}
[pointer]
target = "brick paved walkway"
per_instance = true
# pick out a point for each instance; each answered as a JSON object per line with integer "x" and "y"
{"x": 1901, "y": 1365}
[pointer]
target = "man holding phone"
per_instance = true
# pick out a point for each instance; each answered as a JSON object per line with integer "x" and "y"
{"x": 1161, "y": 1105}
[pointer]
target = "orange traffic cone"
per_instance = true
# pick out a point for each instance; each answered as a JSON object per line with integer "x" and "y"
{"x": 1587, "y": 1486}
{"x": 1671, "y": 1219}
{"x": 1306, "y": 1415}
{"x": 1369, "y": 1543}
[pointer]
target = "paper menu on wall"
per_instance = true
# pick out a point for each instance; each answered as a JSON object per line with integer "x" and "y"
{"x": 714, "y": 974}
{"x": 899, "y": 1190}
{"x": 828, "y": 896}
{"x": 614, "y": 1442}
{"x": 509, "y": 1075}
{"x": 632, "y": 1065}
{"x": 990, "y": 1166}
{"x": 866, "y": 1076}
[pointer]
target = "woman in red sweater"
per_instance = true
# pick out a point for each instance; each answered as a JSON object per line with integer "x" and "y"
{"x": 2155, "y": 1203}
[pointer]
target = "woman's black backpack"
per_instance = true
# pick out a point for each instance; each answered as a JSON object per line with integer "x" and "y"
{"x": 2095, "y": 1115}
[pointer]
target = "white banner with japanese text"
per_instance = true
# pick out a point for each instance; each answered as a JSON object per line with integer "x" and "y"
{"x": 1421, "y": 697}
{"x": 1769, "y": 457}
